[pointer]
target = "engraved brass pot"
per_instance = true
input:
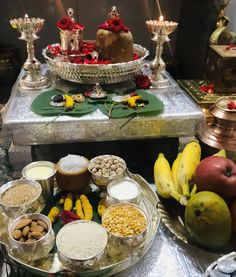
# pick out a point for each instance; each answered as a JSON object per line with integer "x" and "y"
{"x": 222, "y": 132}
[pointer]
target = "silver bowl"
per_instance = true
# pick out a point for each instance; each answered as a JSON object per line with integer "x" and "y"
{"x": 103, "y": 180}
{"x": 34, "y": 250}
{"x": 113, "y": 198}
{"x": 17, "y": 210}
{"x": 96, "y": 73}
{"x": 75, "y": 263}
{"x": 46, "y": 182}
{"x": 130, "y": 240}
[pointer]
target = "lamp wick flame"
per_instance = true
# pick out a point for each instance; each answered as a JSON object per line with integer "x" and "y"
{"x": 161, "y": 18}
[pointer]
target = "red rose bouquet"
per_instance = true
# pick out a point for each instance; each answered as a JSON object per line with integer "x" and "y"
{"x": 66, "y": 23}
{"x": 114, "y": 25}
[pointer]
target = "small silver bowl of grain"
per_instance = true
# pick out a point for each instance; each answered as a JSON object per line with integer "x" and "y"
{"x": 19, "y": 197}
{"x": 31, "y": 237}
{"x": 126, "y": 224}
{"x": 106, "y": 168}
{"x": 81, "y": 244}
{"x": 124, "y": 190}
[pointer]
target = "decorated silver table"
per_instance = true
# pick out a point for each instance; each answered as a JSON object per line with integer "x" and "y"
{"x": 24, "y": 128}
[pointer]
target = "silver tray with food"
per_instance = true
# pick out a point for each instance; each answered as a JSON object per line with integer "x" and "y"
{"x": 125, "y": 223}
{"x": 95, "y": 73}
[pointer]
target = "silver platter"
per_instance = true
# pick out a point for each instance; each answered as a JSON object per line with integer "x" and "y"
{"x": 120, "y": 259}
{"x": 96, "y": 73}
{"x": 172, "y": 215}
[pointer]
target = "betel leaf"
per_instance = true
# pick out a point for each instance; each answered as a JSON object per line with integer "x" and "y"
{"x": 154, "y": 107}
{"x": 41, "y": 106}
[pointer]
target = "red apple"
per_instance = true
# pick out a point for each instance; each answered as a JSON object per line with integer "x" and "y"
{"x": 217, "y": 174}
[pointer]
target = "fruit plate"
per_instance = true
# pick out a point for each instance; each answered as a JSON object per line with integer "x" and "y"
{"x": 117, "y": 260}
{"x": 96, "y": 73}
{"x": 172, "y": 215}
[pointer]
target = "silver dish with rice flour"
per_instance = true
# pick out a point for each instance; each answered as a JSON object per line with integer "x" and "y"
{"x": 30, "y": 203}
{"x": 81, "y": 244}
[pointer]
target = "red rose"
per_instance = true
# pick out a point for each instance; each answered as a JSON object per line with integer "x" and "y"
{"x": 65, "y": 23}
{"x": 210, "y": 88}
{"x": 231, "y": 105}
{"x": 142, "y": 82}
{"x": 114, "y": 25}
{"x": 78, "y": 26}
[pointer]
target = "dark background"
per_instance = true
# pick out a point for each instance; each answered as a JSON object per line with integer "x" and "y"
{"x": 185, "y": 55}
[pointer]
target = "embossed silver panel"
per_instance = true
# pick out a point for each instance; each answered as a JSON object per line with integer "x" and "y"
{"x": 24, "y": 127}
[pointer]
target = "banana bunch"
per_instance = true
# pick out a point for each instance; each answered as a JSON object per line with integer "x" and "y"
{"x": 177, "y": 181}
{"x": 164, "y": 181}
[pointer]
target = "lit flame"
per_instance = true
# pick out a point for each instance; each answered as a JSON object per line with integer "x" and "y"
{"x": 26, "y": 16}
{"x": 161, "y": 18}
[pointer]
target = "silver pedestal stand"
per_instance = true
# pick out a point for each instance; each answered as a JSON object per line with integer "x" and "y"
{"x": 161, "y": 29}
{"x": 28, "y": 27}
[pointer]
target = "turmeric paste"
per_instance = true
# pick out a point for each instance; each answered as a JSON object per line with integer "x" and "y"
{"x": 54, "y": 212}
{"x": 87, "y": 207}
{"x": 68, "y": 204}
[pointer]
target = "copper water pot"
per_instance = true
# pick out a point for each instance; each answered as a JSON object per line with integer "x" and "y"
{"x": 222, "y": 132}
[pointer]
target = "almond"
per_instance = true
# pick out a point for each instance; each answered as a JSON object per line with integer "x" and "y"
{"x": 24, "y": 222}
{"x": 36, "y": 235}
{"x": 43, "y": 224}
{"x": 37, "y": 228}
{"x": 26, "y": 230}
{"x": 17, "y": 234}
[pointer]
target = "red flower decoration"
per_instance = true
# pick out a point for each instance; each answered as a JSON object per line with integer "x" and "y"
{"x": 208, "y": 88}
{"x": 78, "y": 26}
{"x": 68, "y": 216}
{"x": 231, "y": 105}
{"x": 114, "y": 25}
{"x": 67, "y": 24}
{"x": 87, "y": 93}
{"x": 142, "y": 82}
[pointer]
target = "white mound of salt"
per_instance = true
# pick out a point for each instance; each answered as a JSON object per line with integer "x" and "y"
{"x": 73, "y": 163}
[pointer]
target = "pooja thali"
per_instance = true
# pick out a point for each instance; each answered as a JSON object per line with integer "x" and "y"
{"x": 116, "y": 259}
{"x": 93, "y": 73}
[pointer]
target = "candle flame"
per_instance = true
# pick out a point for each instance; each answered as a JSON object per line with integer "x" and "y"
{"x": 26, "y": 16}
{"x": 161, "y": 18}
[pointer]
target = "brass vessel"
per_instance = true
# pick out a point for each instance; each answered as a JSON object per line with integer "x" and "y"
{"x": 222, "y": 132}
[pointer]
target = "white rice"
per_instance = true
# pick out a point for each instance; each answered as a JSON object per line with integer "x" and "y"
{"x": 73, "y": 163}
{"x": 82, "y": 240}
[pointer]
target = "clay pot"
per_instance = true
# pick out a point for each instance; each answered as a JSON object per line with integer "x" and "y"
{"x": 72, "y": 181}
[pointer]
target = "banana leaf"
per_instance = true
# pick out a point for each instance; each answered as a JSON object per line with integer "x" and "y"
{"x": 41, "y": 106}
{"x": 116, "y": 110}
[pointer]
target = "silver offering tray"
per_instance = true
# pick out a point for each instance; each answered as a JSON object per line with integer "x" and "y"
{"x": 117, "y": 258}
{"x": 96, "y": 73}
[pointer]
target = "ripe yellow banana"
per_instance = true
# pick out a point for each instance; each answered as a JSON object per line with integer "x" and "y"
{"x": 163, "y": 180}
{"x": 221, "y": 153}
{"x": 174, "y": 172}
{"x": 190, "y": 159}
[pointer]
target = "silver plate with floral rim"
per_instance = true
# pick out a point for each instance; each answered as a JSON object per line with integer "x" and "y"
{"x": 96, "y": 73}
